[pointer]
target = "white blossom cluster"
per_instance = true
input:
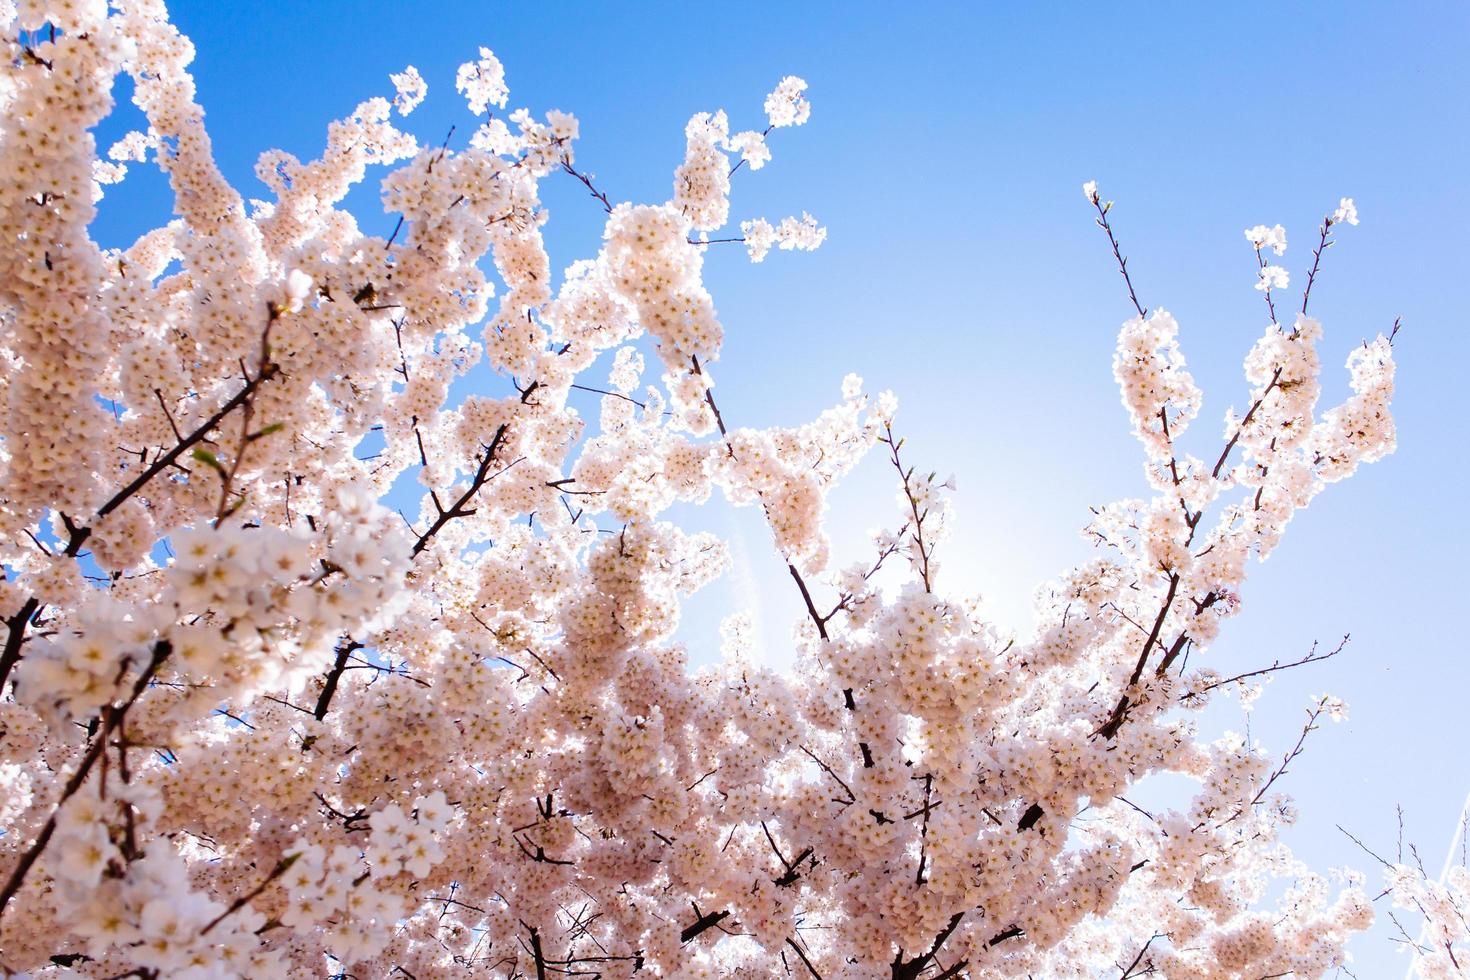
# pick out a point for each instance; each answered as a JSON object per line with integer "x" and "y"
{"x": 411, "y": 88}
{"x": 803, "y": 234}
{"x": 481, "y": 82}
{"x": 254, "y": 724}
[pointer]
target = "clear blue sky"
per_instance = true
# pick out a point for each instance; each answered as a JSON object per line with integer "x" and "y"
{"x": 945, "y": 153}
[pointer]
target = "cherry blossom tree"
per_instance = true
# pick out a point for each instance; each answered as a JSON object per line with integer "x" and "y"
{"x": 257, "y": 724}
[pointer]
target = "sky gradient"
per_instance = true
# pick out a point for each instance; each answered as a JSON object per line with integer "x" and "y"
{"x": 945, "y": 154}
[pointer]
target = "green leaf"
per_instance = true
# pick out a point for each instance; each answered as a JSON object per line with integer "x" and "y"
{"x": 208, "y": 459}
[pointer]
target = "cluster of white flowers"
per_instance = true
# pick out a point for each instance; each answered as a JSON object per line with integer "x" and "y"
{"x": 332, "y": 887}
{"x": 1273, "y": 277}
{"x": 411, "y": 88}
{"x": 786, "y": 106}
{"x": 702, "y": 183}
{"x": 227, "y": 669}
{"x": 804, "y": 234}
{"x": 1262, "y": 237}
{"x": 1158, "y": 391}
{"x": 403, "y": 843}
{"x": 482, "y": 82}
{"x": 752, "y": 147}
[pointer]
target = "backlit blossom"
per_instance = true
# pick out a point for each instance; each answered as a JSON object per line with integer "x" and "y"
{"x": 786, "y": 106}
{"x": 411, "y": 88}
{"x": 482, "y": 82}
{"x": 347, "y": 584}
{"x": 1262, "y": 237}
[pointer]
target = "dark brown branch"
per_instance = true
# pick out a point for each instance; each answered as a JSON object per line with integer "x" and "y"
{"x": 1128, "y": 972}
{"x": 345, "y": 649}
{"x": 1301, "y": 743}
{"x": 806, "y": 962}
{"x": 910, "y": 969}
{"x": 1102, "y": 222}
{"x": 566, "y": 164}
{"x": 614, "y": 394}
{"x": 536, "y": 953}
{"x": 481, "y": 477}
{"x": 15, "y": 637}
{"x": 908, "y": 492}
{"x": 1270, "y": 302}
{"x": 1322, "y": 245}
{"x": 1014, "y": 932}
{"x": 1311, "y": 658}
{"x": 348, "y": 819}
{"x": 163, "y": 462}
{"x": 851, "y": 797}
{"x": 539, "y": 854}
{"x": 1110, "y": 727}
{"x": 282, "y": 866}
{"x": 806, "y": 597}
{"x": 709, "y": 399}
{"x": 701, "y": 924}
{"x": 1235, "y": 437}
{"x": 741, "y": 162}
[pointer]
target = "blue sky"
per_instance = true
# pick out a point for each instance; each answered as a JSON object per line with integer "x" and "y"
{"x": 945, "y": 154}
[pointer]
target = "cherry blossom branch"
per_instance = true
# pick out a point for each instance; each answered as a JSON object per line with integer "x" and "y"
{"x": 908, "y": 492}
{"x": 910, "y": 969}
{"x": 566, "y": 165}
{"x": 348, "y": 819}
{"x": 919, "y": 878}
{"x": 458, "y": 509}
{"x": 846, "y": 598}
{"x": 111, "y": 721}
{"x": 741, "y": 162}
{"x": 16, "y": 625}
{"x": 1102, "y": 222}
{"x": 709, "y": 399}
{"x": 702, "y": 923}
{"x": 228, "y": 475}
{"x": 806, "y": 595}
{"x": 851, "y": 796}
{"x": 282, "y": 866}
{"x": 1110, "y": 727}
{"x": 1313, "y": 713}
{"x": 1323, "y": 244}
{"x": 243, "y": 396}
{"x": 1115, "y": 721}
{"x": 481, "y": 477}
{"x": 811, "y": 607}
{"x": 613, "y": 394}
{"x": 78, "y": 534}
{"x": 797, "y": 947}
{"x": 537, "y": 956}
{"x": 1366, "y": 850}
{"x": 345, "y": 650}
{"x": 1137, "y": 960}
{"x": 1312, "y": 657}
{"x": 1235, "y": 436}
{"x": 1270, "y": 303}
